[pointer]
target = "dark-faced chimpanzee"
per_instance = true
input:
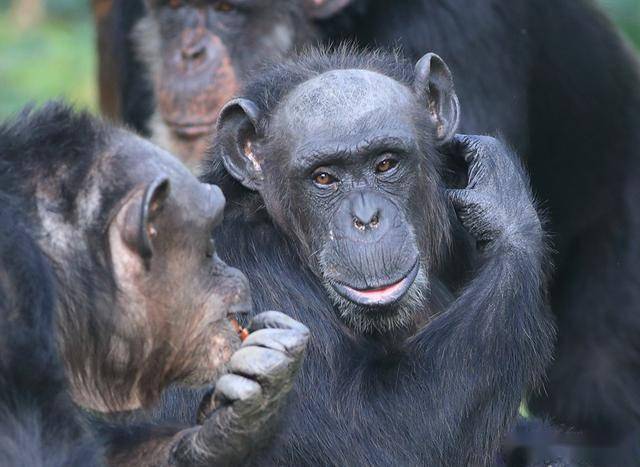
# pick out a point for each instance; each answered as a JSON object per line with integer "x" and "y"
{"x": 555, "y": 80}
{"x": 108, "y": 260}
{"x": 333, "y": 167}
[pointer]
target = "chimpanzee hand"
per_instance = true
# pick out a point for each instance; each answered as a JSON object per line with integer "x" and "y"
{"x": 240, "y": 412}
{"x": 496, "y": 206}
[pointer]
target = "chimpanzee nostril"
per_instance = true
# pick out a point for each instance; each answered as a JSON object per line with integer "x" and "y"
{"x": 371, "y": 223}
{"x": 365, "y": 210}
{"x": 193, "y": 52}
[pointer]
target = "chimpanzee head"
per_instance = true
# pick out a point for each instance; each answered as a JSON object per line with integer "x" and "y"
{"x": 343, "y": 150}
{"x": 143, "y": 298}
{"x": 200, "y": 52}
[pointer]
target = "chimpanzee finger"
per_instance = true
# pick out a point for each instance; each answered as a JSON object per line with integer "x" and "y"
{"x": 232, "y": 388}
{"x": 291, "y": 342}
{"x": 474, "y": 209}
{"x": 468, "y": 200}
{"x": 276, "y": 319}
{"x": 266, "y": 366}
{"x": 229, "y": 389}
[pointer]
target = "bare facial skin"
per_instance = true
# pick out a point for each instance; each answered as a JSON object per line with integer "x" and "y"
{"x": 198, "y": 54}
{"x": 174, "y": 296}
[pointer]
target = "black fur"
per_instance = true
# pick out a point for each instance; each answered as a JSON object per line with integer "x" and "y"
{"x": 561, "y": 86}
{"x": 55, "y": 148}
{"x": 442, "y": 397}
{"x": 39, "y": 425}
{"x": 52, "y": 148}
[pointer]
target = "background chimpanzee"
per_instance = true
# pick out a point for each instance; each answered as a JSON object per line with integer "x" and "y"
{"x": 339, "y": 216}
{"x": 554, "y": 79}
{"x": 142, "y": 300}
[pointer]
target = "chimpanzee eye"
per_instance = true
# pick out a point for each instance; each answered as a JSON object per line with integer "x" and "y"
{"x": 224, "y": 7}
{"x": 386, "y": 165}
{"x": 175, "y": 4}
{"x": 323, "y": 178}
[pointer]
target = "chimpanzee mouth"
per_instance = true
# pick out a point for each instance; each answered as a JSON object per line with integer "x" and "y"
{"x": 191, "y": 130}
{"x": 242, "y": 333}
{"x": 379, "y": 296}
{"x": 236, "y": 316}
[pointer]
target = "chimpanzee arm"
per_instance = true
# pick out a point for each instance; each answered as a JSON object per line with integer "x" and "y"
{"x": 238, "y": 417}
{"x": 493, "y": 342}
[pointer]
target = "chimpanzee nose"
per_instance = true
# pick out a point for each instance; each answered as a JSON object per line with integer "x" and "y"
{"x": 216, "y": 203}
{"x": 194, "y": 52}
{"x": 365, "y": 211}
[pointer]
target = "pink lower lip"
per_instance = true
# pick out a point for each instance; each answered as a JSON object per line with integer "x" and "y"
{"x": 380, "y": 294}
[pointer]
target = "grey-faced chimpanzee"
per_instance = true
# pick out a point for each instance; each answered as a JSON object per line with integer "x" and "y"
{"x": 338, "y": 214}
{"x": 554, "y": 79}
{"x": 107, "y": 258}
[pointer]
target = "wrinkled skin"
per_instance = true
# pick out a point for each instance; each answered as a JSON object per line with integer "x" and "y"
{"x": 576, "y": 158}
{"x": 157, "y": 220}
{"x": 198, "y": 52}
{"x": 370, "y": 243}
{"x": 414, "y": 373}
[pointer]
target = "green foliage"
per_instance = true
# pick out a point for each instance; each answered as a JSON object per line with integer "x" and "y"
{"x": 626, "y": 13}
{"x": 55, "y": 59}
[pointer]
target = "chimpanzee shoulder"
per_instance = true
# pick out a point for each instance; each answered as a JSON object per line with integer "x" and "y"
{"x": 38, "y": 421}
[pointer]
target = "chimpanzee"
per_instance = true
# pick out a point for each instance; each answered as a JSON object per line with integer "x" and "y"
{"x": 108, "y": 257}
{"x": 37, "y": 418}
{"x": 554, "y": 79}
{"x": 333, "y": 167}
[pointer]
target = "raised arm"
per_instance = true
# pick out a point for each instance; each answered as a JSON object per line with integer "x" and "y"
{"x": 496, "y": 338}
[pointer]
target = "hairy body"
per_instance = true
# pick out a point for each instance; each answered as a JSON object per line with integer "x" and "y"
{"x": 127, "y": 296}
{"x": 344, "y": 223}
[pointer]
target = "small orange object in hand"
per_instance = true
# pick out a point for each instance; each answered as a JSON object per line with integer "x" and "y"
{"x": 243, "y": 333}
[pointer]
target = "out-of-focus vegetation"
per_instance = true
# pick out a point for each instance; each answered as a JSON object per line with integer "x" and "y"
{"x": 49, "y": 52}
{"x": 49, "y": 55}
{"x": 627, "y": 14}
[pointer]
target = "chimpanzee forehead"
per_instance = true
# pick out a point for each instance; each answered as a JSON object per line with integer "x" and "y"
{"x": 345, "y": 103}
{"x": 142, "y": 162}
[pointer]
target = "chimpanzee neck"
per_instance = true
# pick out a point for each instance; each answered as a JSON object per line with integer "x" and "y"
{"x": 269, "y": 259}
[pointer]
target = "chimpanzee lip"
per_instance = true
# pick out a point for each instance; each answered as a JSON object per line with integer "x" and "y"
{"x": 379, "y": 296}
{"x": 237, "y": 310}
{"x": 191, "y": 129}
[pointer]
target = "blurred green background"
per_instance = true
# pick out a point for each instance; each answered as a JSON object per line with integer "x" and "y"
{"x": 47, "y": 49}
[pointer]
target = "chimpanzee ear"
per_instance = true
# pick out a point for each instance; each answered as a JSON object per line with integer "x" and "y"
{"x": 434, "y": 86}
{"x": 237, "y": 132}
{"x": 136, "y": 221}
{"x": 322, "y": 9}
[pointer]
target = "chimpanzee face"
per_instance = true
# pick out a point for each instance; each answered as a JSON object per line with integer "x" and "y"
{"x": 166, "y": 262}
{"x": 147, "y": 221}
{"x": 200, "y": 50}
{"x": 347, "y": 169}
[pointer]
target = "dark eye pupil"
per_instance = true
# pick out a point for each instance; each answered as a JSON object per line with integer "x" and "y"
{"x": 323, "y": 178}
{"x": 385, "y": 165}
